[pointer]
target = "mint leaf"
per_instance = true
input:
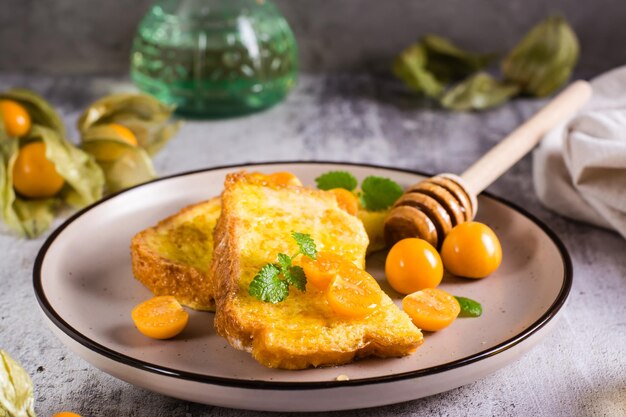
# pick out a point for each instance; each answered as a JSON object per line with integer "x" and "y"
{"x": 379, "y": 193}
{"x": 336, "y": 179}
{"x": 267, "y": 286}
{"x": 295, "y": 276}
{"x": 306, "y": 243}
{"x": 469, "y": 307}
{"x": 284, "y": 262}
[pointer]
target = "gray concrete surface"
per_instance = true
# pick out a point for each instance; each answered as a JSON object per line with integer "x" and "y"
{"x": 88, "y": 36}
{"x": 578, "y": 370}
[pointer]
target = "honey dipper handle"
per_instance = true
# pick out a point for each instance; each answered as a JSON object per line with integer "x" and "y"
{"x": 519, "y": 142}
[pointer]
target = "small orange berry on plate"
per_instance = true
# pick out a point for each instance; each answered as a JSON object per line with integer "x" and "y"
{"x": 471, "y": 250}
{"x": 413, "y": 264}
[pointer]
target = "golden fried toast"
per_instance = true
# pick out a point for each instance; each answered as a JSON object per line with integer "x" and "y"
{"x": 173, "y": 257}
{"x": 255, "y": 225}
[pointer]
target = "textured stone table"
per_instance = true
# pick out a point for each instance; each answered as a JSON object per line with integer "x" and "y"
{"x": 578, "y": 370}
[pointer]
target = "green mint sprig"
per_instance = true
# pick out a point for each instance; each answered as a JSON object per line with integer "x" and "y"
{"x": 377, "y": 193}
{"x": 271, "y": 283}
{"x": 469, "y": 307}
{"x": 336, "y": 179}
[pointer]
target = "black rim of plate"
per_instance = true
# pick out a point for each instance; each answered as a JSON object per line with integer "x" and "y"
{"x": 276, "y": 385}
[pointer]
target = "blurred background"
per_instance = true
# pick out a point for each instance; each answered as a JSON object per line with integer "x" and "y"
{"x": 94, "y": 37}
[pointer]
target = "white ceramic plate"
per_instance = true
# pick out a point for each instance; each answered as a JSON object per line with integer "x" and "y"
{"x": 85, "y": 287}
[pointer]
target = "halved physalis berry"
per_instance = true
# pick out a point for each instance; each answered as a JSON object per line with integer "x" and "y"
{"x": 160, "y": 317}
{"x": 283, "y": 178}
{"x": 320, "y": 271}
{"x": 353, "y": 293}
{"x": 346, "y": 200}
{"x": 431, "y": 309}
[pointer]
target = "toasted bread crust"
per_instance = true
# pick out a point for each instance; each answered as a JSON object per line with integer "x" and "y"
{"x": 160, "y": 273}
{"x": 226, "y": 270}
{"x": 315, "y": 337}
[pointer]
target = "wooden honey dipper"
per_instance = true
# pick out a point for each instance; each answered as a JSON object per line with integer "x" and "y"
{"x": 432, "y": 207}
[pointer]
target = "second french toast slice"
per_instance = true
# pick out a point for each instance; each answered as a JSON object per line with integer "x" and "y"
{"x": 173, "y": 257}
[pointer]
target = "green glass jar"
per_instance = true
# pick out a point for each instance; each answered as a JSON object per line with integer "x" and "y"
{"x": 215, "y": 58}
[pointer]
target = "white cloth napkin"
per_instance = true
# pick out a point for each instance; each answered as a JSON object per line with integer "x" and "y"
{"x": 579, "y": 169}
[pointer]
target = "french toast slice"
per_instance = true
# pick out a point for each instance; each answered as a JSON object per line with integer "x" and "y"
{"x": 173, "y": 257}
{"x": 302, "y": 331}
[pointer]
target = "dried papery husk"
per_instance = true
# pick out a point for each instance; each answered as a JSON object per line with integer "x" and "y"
{"x": 544, "y": 59}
